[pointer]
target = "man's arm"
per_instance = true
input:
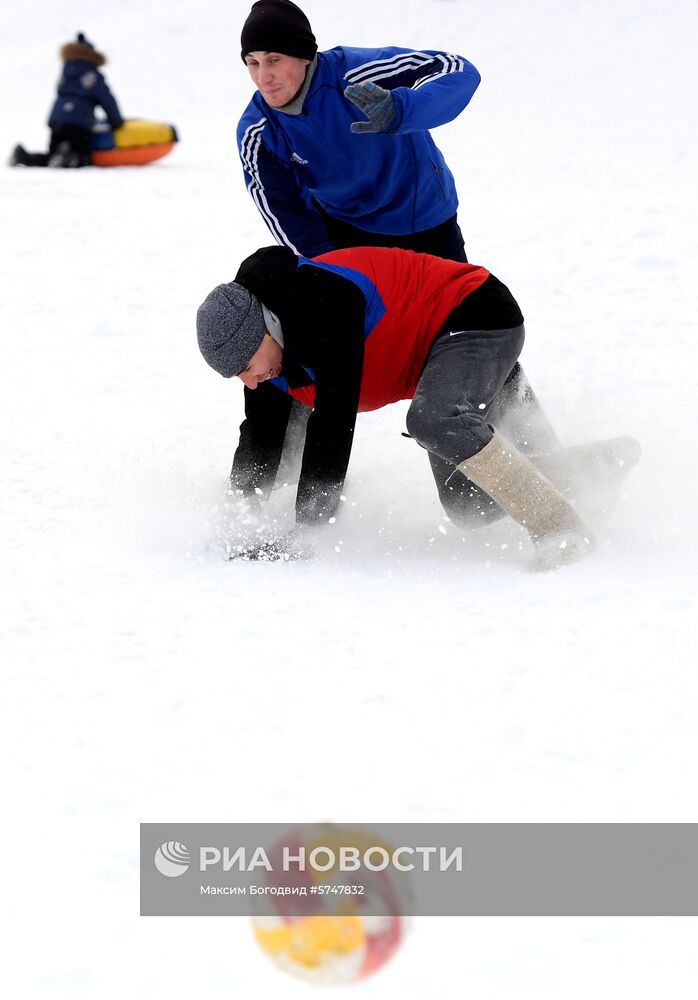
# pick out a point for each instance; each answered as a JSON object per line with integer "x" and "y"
{"x": 428, "y": 88}
{"x": 262, "y": 433}
{"x": 334, "y": 321}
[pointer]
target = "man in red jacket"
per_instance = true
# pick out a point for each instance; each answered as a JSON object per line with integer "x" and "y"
{"x": 356, "y": 329}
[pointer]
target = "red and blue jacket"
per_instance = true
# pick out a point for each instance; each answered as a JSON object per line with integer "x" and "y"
{"x": 358, "y": 325}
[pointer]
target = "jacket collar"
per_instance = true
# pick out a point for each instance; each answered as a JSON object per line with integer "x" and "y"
{"x": 295, "y": 106}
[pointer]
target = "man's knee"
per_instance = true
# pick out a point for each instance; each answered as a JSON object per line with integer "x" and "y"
{"x": 420, "y": 422}
{"x": 454, "y": 436}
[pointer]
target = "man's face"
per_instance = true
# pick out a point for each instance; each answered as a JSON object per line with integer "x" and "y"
{"x": 264, "y": 364}
{"x": 278, "y": 78}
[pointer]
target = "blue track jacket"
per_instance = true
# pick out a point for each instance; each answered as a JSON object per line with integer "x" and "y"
{"x": 395, "y": 183}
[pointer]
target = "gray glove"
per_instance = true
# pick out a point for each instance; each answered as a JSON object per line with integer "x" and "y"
{"x": 376, "y": 103}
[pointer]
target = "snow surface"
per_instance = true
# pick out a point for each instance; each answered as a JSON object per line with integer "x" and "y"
{"x": 414, "y": 675}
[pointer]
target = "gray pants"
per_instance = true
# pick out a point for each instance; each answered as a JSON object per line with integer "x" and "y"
{"x": 471, "y": 383}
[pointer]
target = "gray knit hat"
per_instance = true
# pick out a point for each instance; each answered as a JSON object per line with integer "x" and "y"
{"x": 230, "y": 328}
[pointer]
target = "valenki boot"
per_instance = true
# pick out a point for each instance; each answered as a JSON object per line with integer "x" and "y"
{"x": 559, "y": 534}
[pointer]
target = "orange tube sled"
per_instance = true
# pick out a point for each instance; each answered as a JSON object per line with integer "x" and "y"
{"x": 133, "y": 156}
{"x": 136, "y": 143}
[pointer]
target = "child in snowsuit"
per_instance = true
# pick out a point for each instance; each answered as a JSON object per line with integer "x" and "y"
{"x": 81, "y": 89}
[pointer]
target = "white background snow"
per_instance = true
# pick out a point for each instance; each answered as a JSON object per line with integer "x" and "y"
{"x": 414, "y": 675}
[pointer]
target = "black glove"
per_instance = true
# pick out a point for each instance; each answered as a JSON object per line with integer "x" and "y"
{"x": 376, "y": 103}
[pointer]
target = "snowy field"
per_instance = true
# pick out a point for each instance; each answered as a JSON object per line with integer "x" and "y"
{"x": 409, "y": 674}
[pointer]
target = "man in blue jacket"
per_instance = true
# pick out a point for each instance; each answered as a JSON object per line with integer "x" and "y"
{"x": 322, "y": 179}
{"x": 81, "y": 89}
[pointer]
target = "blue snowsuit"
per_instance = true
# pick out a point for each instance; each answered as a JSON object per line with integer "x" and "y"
{"x": 81, "y": 89}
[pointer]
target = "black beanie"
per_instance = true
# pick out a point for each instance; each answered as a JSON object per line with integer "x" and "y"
{"x": 278, "y": 26}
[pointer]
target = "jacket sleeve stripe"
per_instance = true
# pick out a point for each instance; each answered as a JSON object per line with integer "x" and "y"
{"x": 249, "y": 152}
{"x": 383, "y": 69}
{"x": 451, "y": 64}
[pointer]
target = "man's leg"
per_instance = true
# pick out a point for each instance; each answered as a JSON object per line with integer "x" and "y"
{"x": 464, "y": 502}
{"x": 450, "y": 417}
{"x": 557, "y": 531}
{"x": 518, "y": 414}
{"x": 462, "y": 379}
{"x": 470, "y": 365}
{"x": 589, "y": 474}
{"x": 294, "y": 443}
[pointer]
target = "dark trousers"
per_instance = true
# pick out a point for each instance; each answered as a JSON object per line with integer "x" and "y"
{"x": 78, "y": 141}
{"x": 465, "y": 371}
{"x": 466, "y": 389}
{"x": 69, "y": 144}
{"x": 444, "y": 240}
